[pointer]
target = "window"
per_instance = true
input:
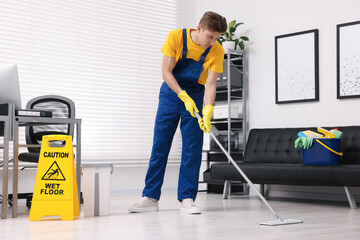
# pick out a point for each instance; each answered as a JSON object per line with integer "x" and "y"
{"x": 105, "y": 56}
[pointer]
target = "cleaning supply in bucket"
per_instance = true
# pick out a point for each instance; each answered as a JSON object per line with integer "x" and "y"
{"x": 337, "y": 133}
{"x": 309, "y": 133}
{"x": 303, "y": 142}
{"x": 327, "y": 134}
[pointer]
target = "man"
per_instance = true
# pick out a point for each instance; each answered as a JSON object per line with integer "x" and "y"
{"x": 192, "y": 58}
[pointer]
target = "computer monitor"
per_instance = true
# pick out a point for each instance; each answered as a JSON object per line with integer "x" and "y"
{"x": 9, "y": 84}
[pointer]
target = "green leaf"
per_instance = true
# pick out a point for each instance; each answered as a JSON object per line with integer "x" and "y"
{"x": 244, "y": 38}
{"x": 232, "y": 23}
{"x": 232, "y": 30}
{"x": 242, "y": 45}
{"x": 236, "y": 25}
{"x": 236, "y": 41}
{"x": 227, "y": 36}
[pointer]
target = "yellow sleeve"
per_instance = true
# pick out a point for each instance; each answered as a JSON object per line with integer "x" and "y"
{"x": 217, "y": 63}
{"x": 171, "y": 45}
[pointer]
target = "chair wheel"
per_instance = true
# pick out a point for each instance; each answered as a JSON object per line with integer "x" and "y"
{"x": 28, "y": 204}
{"x": 29, "y": 201}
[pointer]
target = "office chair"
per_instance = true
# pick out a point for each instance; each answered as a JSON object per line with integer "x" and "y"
{"x": 61, "y": 107}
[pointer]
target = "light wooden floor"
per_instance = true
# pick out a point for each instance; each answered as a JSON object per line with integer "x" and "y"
{"x": 235, "y": 218}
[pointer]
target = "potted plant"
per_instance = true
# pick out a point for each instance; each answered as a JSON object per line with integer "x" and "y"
{"x": 228, "y": 39}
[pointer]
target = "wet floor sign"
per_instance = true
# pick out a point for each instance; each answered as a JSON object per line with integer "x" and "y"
{"x": 55, "y": 192}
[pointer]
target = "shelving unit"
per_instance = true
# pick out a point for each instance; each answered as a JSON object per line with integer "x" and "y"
{"x": 231, "y": 89}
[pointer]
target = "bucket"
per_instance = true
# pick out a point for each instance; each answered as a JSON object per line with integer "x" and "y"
{"x": 324, "y": 151}
{"x": 96, "y": 188}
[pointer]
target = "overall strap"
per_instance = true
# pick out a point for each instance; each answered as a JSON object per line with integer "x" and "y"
{"x": 203, "y": 56}
{"x": 184, "y": 51}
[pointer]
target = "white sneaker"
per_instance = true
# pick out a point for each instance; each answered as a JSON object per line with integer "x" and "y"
{"x": 188, "y": 205}
{"x": 146, "y": 204}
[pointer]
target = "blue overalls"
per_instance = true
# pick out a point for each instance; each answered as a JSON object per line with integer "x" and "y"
{"x": 170, "y": 110}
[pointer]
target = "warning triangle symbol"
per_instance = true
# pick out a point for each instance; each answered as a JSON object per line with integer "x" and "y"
{"x": 54, "y": 173}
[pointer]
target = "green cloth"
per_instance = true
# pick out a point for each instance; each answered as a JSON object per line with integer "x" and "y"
{"x": 303, "y": 142}
{"x": 337, "y": 133}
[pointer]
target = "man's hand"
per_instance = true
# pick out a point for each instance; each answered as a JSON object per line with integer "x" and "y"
{"x": 189, "y": 102}
{"x": 205, "y": 122}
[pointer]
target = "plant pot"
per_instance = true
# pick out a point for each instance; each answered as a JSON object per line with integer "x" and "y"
{"x": 228, "y": 45}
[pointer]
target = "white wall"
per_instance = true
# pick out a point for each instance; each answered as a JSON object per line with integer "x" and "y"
{"x": 265, "y": 19}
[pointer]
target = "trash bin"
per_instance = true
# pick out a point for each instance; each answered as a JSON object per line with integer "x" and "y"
{"x": 96, "y": 188}
{"x": 324, "y": 151}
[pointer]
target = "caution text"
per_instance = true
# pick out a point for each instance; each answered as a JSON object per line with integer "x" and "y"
{"x": 56, "y": 155}
{"x": 52, "y": 189}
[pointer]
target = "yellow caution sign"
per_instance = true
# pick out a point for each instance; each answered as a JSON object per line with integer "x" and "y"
{"x": 55, "y": 191}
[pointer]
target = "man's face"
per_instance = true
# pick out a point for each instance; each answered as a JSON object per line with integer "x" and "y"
{"x": 207, "y": 37}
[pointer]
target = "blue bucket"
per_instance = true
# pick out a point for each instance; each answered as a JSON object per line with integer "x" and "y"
{"x": 324, "y": 151}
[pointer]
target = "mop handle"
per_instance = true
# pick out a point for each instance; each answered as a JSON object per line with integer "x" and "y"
{"x": 240, "y": 171}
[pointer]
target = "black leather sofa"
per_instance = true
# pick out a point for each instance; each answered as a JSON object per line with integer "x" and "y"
{"x": 271, "y": 158}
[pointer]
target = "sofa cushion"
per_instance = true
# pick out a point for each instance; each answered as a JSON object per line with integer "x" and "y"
{"x": 273, "y": 146}
{"x": 350, "y": 145}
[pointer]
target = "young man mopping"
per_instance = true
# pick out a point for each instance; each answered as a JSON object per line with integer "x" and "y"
{"x": 192, "y": 58}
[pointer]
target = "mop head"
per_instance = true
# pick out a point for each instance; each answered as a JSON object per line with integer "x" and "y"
{"x": 281, "y": 222}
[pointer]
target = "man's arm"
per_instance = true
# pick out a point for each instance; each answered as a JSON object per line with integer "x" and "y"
{"x": 167, "y": 67}
{"x": 209, "y": 100}
{"x": 210, "y": 90}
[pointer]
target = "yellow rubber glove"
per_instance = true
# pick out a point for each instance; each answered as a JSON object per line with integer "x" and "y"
{"x": 189, "y": 103}
{"x": 205, "y": 124}
{"x": 201, "y": 124}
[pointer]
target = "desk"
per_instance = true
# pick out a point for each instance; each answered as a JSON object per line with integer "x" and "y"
{"x": 20, "y": 121}
{"x": 7, "y": 123}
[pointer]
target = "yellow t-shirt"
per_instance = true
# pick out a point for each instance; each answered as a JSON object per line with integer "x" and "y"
{"x": 173, "y": 47}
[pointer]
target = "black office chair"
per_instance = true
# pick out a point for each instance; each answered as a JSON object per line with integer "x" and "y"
{"x": 61, "y": 107}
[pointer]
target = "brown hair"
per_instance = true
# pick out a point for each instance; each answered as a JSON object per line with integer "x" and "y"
{"x": 214, "y": 22}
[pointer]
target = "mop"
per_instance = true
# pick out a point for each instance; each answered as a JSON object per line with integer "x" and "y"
{"x": 280, "y": 220}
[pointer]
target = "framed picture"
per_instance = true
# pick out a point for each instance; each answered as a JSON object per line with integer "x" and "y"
{"x": 297, "y": 67}
{"x": 348, "y": 60}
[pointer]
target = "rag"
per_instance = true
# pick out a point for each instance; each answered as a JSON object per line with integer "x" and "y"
{"x": 303, "y": 142}
{"x": 337, "y": 133}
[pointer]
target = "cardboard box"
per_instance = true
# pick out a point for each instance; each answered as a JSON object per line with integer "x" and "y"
{"x": 222, "y": 112}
